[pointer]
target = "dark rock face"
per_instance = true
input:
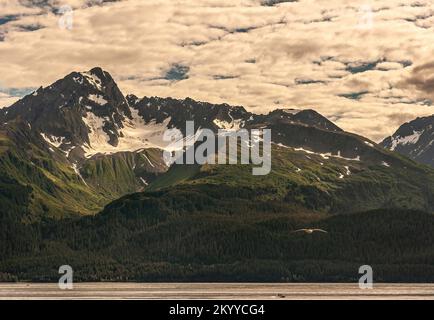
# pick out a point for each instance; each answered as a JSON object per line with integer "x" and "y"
{"x": 220, "y": 116}
{"x": 71, "y": 112}
{"x": 81, "y": 134}
{"x": 57, "y": 111}
{"x": 205, "y": 115}
{"x": 306, "y": 117}
{"x": 414, "y": 139}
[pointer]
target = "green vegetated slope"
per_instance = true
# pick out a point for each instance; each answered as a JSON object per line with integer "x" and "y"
{"x": 125, "y": 172}
{"x": 37, "y": 181}
{"x": 202, "y": 222}
{"x": 304, "y": 179}
{"x": 199, "y": 223}
{"x": 247, "y": 246}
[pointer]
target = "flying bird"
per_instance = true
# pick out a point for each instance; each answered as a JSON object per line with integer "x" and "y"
{"x": 310, "y": 231}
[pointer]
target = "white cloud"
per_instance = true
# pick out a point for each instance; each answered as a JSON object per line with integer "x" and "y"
{"x": 6, "y": 100}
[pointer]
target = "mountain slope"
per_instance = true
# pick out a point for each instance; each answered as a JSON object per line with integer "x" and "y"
{"x": 329, "y": 171}
{"x": 63, "y": 111}
{"x": 113, "y": 143}
{"x": 85, "y": 114}
{"x": 414, "y": 139}
{"x": 199, "y": 222}
{"x": 176, "y": 112}
{"x": 123, "y": 172}
{"x": 62, "y": 143}
{"x": 39, "y": 181}
{"x": 299, "y": 179}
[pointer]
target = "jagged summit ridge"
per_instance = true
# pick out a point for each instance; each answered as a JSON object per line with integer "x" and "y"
{"x": 85, "y": 114}
{"x": 414, "y": 139}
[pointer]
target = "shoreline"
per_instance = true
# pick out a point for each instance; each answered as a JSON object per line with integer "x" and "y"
{"x": 216, "y": 291}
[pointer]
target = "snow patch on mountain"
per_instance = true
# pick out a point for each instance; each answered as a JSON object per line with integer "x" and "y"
{"x": 369, "y": 144}
{"x": 410, "y": 139}
{"x": 327, "y": 155}
{"x": 98, "y": 139}
{"x": 78, "y": 80}
{"x": 93, "y": 80}
{"x": 291, "y": 111}
{"x": 77, "y": 172}
{"x": 149, "y": 161}
{"x": 97, "y": 99}
{"x": 234, "y": 124}
{"x": 68, "y": 150}
{"x": 135, "y": 135}
{"x": 384, "y": 163}
{"x": 53, "y": 140}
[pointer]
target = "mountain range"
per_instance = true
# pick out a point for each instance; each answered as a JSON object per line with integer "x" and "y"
{"x": 83, "y": 182}
{"x": 414, "y": 139}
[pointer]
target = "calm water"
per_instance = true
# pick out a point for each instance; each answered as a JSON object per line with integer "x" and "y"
{"x": 214, "y": 291}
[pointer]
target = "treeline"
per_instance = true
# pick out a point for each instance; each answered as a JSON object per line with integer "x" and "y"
{"x": 200, "y": 236}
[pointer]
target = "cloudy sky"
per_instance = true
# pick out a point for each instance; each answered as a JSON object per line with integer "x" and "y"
{"x": 367, "y": 65}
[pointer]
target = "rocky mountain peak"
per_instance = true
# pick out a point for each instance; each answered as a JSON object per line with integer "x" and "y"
{"x": 414, "y": 139}
{"x": 70, "y": 110}
{"x": 85, "y": 114}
